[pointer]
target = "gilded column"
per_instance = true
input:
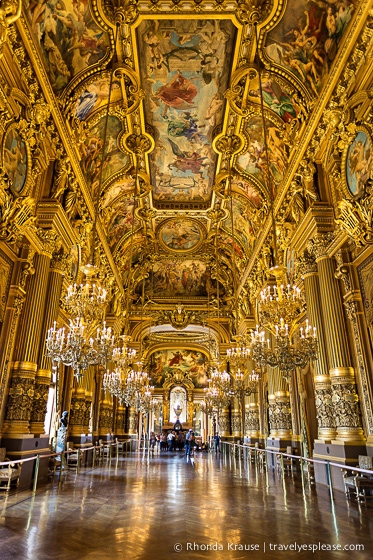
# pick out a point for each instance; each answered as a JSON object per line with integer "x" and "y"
{"x": 22, "y": 388}
{"x": 252, "y": 417}
{"x": 342, "y": 375}
{"x": 132, "y": 421}
{"x": 279, "y": 406}
{"x": 15, "y": 302}
{"x": 236, "y": 421}
{"x": 323, "y": 387}
{"x": 43, "y": 375}
{"x": 120, "y": 417}
{"x": 105, "y": 425}
{"x": 223, "y": 424}
{"x": 78, "y": 409}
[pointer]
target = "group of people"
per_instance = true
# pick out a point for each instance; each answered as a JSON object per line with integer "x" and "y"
{"x": 177, "y": 440}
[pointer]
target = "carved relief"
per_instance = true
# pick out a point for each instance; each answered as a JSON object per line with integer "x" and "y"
{"x": 324, "y": 408}
{"x": 20, "y": 399}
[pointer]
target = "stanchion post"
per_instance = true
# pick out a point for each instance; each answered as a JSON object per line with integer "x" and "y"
{"x": 330, "y": 481}
{"x": 36, "y": 474}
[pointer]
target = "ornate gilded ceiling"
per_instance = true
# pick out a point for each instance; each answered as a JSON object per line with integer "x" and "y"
{"x": 163, "y": 128}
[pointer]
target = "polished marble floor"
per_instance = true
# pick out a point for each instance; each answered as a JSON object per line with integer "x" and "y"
{"x": 163, "y": 507}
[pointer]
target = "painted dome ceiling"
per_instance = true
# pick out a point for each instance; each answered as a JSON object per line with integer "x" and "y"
{"x": 182, "y": 125}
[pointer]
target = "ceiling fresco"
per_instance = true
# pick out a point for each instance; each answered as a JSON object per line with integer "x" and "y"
{"x": 95, "y": 96}
{"x": 164, "y": 363}
{"x": 70, "y": 40}
{"x": 253, "y": 160}
{"x": 94, "y": 156}
{"x": 245, "y": 223}
{"x": 181, "y": 235}
{"x": 175, "y": 279}
{"x": 183, "y": 156}
{"x": 306, "y": 40}
{"x": 183, "y": 66}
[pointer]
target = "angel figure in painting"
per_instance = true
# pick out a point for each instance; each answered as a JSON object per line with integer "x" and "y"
{"x": 186, "y": 161}
{"x": 179, "y": 93}
{"x": 359, "y": 163}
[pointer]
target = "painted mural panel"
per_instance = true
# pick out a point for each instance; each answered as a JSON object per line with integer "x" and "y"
{"x": 275, "y": 97}
{"x": 253, "y": 161}
{"x": 359, "y": 163}
{"x": 306, "y": 39}
{"x": 119, "y": 220}
{"x": 92, "y": 151}
{"x": 115, "y": 190}
{"x": 15, "y": 160}
{"x": 96, "y": 96}
{"x": 184, "y": 64}
{"x": 190, "y": 362}
{"x": 180, "y": 235}
{"x": 243, "y": 223}
{"x": 175, "y": 279}
{"x": 68, "y": 36}
{"x": 250, "y": 191}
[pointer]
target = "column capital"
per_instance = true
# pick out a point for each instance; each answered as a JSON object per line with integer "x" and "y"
{"x": 307, "y": 264}
{"x": 320, "y": 244}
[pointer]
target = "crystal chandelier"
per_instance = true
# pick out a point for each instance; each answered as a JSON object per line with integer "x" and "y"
{"x": 288, "y": 352}
{"x": 86, "y": 300}
{"x": 218, "y": 392}
{"x": 238, "y": 355}
{"x": 131, "y": 387}
{"x": 74, "y": 348}
{"x": 123, "y": 356}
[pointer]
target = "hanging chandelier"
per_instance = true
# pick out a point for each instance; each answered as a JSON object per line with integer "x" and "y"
{"x": 86, "y": 300}
{"x": 75, "y": 349}
{"x": 239, "y": 354}
{"x": 218, "y": 392}
{"x": 131, "y": 387}
{"x": 288, "y": 352}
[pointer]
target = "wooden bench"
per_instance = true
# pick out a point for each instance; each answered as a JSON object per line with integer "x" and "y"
{"x": 359, "y": 484}
{"x": 8, "y": 473}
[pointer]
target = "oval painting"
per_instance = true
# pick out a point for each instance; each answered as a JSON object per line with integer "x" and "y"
{"x": 180, "y": 235}
{"x": 15, "y": 160}
{"x": 358, "y": 163}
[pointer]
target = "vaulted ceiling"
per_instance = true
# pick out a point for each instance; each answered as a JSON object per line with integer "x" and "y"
{"x": 163, "y": 108}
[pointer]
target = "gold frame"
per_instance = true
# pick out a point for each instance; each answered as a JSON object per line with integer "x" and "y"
{"x": 28, "y": 177}
{"x": 178, "y": 219}
{"x": 345, "y": 184}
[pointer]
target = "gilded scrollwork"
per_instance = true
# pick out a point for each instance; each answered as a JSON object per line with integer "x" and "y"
{"x": 324, "y": 408}
{"x": 346, "y": 405}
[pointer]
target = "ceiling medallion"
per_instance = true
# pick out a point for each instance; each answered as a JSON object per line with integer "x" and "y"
{"x": 181, "y": 235}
